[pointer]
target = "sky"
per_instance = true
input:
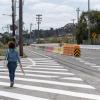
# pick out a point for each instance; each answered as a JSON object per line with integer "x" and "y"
{"x": 55, "y": 13}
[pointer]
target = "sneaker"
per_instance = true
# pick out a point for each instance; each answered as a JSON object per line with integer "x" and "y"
{"x": 11, "y": 84}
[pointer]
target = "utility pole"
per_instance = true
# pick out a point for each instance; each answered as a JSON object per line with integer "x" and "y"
{"x": 78, "y": 14}
{"x": 13, "y": 19}
{"x": 31, "y": 27}
{"x": 15, "y": 9}
{"x": 21, "y": 27}
{"x": 73, "y": 21}
{"x": 30, "y": 31}
{"x": 38, "y": 19}
{"x": 73, "y": 30}
{"x": 89, "y": 31}
{"x": 89, "y": 5}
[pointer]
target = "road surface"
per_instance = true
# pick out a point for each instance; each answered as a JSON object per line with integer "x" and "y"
{"x": 52, "y": 77}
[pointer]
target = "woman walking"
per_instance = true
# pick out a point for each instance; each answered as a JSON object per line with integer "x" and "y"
{"x": 12, "y": 58}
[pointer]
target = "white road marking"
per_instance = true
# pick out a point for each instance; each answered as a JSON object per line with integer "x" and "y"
{"x": 19, "y": 96}
{"x": 82, "y": 61}
{"x": 41, "y": 59}
{"x": 33, "y": 75}
{"x": 96, "y": 66}
{"x": 45, "y": 72}
{"x": 52, "y": 82}
{"x": 47, "y": 68}
{"x": 42, "y": 55}
{"x": 3, "y": 69}
{"x": 92, "y": 64}
{"x": 85, "y": 62}
{"x": 1, "y": 66}
{"x": 50, "y": 90}
{"x": 48, "y": 64}
{"x": 56, "y": 91}
{"x": 89, "y": 57}
{"x": 44, "y": 64}
{"x": 33, "y": 62}
{"x": 78, "y": 58}
{"x": 44, "y": 61}
{"x": 72, "y": 78}
{"x": 25, "y": 67}
{"x": 50, "y": 72}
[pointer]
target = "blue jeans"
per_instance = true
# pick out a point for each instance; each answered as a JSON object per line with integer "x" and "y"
{"x": 12, "y": 68}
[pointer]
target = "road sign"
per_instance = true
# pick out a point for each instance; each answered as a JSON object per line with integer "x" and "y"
{"x": 11, "y": 27}
{"x": 94, "y": 35}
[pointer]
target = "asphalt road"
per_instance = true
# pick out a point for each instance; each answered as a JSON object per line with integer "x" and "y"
{"x": 52, "y": 77}
{"x": 87, "y": 66}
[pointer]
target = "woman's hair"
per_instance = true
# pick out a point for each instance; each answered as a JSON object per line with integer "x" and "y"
{"x": 11, "y": 45}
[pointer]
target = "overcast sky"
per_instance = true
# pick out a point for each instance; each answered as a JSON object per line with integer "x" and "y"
{"x": 55, "y": 13}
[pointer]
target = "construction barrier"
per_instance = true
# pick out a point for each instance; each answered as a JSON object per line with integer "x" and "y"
{"x": 49, "y": 49}
{"x": 67, "y": 49}
{"x": 71, "y": 50}
{"x": 58, "y": 50}
{"x": 55, "y": 50}
{"x": 77, "y": 51}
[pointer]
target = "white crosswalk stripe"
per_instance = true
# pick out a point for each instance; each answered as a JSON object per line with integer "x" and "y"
{"x": 92, "y": 65}
{"x": 19, "y": 96}
{"x": 44, "y": 79}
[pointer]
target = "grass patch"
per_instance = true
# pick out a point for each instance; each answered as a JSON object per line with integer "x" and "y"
{"x": 2, "y": 52}
{"x": 4, "y": 47}
{"x": 24, "y": 56}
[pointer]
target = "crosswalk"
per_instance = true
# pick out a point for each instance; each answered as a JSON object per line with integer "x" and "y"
{"x": 88, "y": 63}
{"x": 44, "y": 79}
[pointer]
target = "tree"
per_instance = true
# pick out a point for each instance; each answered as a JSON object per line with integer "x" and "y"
{"x": 82, "y": 27}
{"x": 5, "y": 38}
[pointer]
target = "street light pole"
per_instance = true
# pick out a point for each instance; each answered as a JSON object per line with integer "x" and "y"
{"x": 38, "y": 19}
{"x": 21, "y": 27}
{"x": 73, "y": 30}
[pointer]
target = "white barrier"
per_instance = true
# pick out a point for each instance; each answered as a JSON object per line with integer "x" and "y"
{"x": 97, "y": 47}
